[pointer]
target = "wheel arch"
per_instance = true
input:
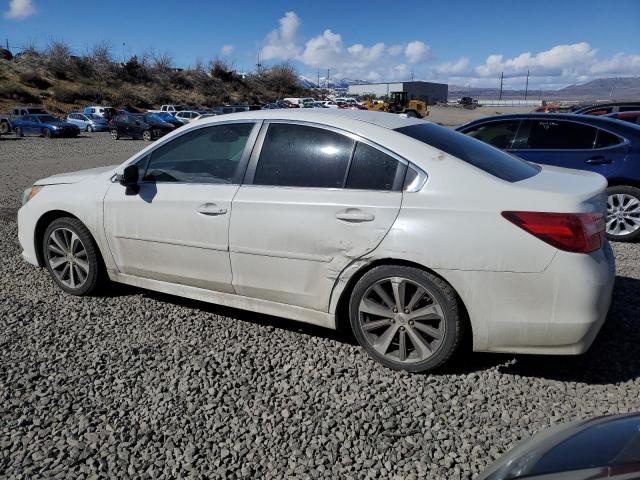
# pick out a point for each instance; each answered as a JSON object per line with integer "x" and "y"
{"x": 342, "y": 305}
{"x": 41, "y": 226}
{"x": 623, "y": 182}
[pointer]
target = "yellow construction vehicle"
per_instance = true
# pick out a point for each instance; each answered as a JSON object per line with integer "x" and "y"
{"x": 399, "y": 103}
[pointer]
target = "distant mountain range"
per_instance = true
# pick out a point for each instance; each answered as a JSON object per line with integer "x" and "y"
{"x": 620, "y": 88}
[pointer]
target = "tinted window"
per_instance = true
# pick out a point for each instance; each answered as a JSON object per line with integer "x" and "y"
{"x": 560, "y": 135}
{"x": 498, "y": 134}
{"x": 629, "y": 108}
{"x": 606, "y": 139}
{"x": 205, "y": 155}
{"x": 301, "y": 156}
{"x": 485, "y": 157}
{"x": 371, "y": 169}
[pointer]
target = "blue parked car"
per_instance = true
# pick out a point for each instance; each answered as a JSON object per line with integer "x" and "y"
{"x": 44, "y": 125}
{"x": 89, "y": 122}
{"x": 603, "y": 145}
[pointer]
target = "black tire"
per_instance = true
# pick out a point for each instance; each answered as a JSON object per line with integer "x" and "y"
{"x": 97, "y": 272}
{"x": 18, "y": 132}
{"x": 613, "y": 206}
{"x": 147, "y": 136}
{"x": 436, "y": 288}
{"x": 4, "y": 128}
{"x": 89, "y": 128}
{"x": 114, "y": 134}
{"x": 46, "y": 133}
{"x": 412, "y": 114}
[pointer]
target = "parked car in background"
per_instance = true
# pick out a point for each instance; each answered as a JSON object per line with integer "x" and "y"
{"x": 6, "y": 121}
{"x": 106, "y": 112}
{"x": 44, "y": 125}
{"x": 204, "y": 115}
{"x": 351, "y": 103}
{"x": 144, "y": 126}
{"x": 187, "y": 116}
{"x": 89, "y": 122}
{"x": 604, "y": 108}
{"x": 598, "y": 448}
{"x": 359, "y": 216}
{"x": 301, "y": 102}
{"x": 319, "y": 104}
{"x": 166, "y": 117}
{"x": 585, "y": 142}
{"x": 170, "y": 109}
{"x": 631, "y": 117}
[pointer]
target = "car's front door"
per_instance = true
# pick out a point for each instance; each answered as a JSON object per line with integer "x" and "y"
{"x": 570, "y": 144}
{"x": 314, "y": 200}
{"x": 176, "y": 227}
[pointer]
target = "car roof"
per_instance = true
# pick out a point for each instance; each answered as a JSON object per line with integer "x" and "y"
{"x": 329, "y": 116}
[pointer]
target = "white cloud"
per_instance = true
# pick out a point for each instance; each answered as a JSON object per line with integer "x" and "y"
{"x": 227, "y": 50}
{"x": 19, "y": 9}
{"x": 453, "y": 68}
{"x": 281, "y": 43}
{"x": 417, "y": 52}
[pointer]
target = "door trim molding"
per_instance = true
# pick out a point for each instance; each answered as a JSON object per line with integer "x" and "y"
{"x": 280, "y": 254}
{"x": 183, "y": 243}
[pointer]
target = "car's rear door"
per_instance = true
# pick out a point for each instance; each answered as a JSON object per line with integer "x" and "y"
{"x": 176, "y": 227}
{"x": 314, "y": 200}
{"x": 570, "y": 144}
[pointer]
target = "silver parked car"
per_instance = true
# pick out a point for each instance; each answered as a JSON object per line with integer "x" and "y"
{"x": 89, "y": 122}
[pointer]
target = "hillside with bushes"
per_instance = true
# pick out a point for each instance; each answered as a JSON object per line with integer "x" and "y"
{"x": 63, "y": 82}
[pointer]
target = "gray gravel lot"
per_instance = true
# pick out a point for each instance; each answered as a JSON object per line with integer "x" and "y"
{"x": 136, "y": 384}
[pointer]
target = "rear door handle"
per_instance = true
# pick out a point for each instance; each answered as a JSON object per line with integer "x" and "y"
{"x": 598, "y": 160}
{"x": 354, "y": 215}
{"x": 211, "y": 209}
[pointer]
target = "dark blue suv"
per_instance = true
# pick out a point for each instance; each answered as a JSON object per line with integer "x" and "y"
{"x": 603, "y": 145}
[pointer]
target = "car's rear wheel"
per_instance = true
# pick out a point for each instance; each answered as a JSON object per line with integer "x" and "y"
{"x": 72, "y": 257}
{"x": 4, "y": 128}
{"x": 46, "y": 133}
{"x": 18, "y": 132}
{"x": 146, "y": 136}
{"x": 406, "y": 318}
{"x": 114, "y": 134}
{"x": 623, "y": 213}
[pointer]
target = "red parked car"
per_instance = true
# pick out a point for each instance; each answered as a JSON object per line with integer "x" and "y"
{"x": 631, "y": 117}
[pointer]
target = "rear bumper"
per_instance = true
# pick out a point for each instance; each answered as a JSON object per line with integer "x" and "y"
{"x": 558, "y": 311}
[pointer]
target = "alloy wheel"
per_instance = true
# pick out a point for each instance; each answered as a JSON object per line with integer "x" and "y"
{"x": 623, "y": 214}
{"x": 146, "y": 136}
{"x": 402, "y": 320}
{"x": 114, "y": 134}
{"x": 67, "y": 257}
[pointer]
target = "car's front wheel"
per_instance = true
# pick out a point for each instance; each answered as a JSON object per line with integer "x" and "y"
{"x": 406, "y": 318}
{"x": 18, "y": 132}
{"x": 623, "y": 213}
{"x": 46, "y": 133}
{"x": 146, "y": 136}
{"x": 72, "y": 257}
{"x": 114, "y": 134}
{"x": 89, "y": 128}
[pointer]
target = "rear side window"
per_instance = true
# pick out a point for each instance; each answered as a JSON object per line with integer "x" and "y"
{"x": 605, "y": 139}
{"x": 499, "y": 134}
{"x": 560, "y": 135}
{"x": 479, "y": 154}
{"x": 302, "y": 156}
{"x": 371, "y": 169}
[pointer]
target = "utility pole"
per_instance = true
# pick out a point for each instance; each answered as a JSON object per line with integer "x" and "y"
{"x": 501, "y": 79}
{"x": 318, "y": 77}
{"x": 7, "y": 43}
{"x": 526, "y": 88}
{"x": 328, "y": 72}
{"x": 123, "y": 56}
{"x": 412, "y": 75}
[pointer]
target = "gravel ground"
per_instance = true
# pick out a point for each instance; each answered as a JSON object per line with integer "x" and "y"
{"x": 135, "y": 384}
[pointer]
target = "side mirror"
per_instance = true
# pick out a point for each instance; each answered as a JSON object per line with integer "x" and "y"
{"x": 128, "y": 177}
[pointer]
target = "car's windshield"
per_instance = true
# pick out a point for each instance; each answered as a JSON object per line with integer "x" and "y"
{"x": 46, "y": 118}
{"x": 93, "y": 116}
{"x": 479, "y": 154}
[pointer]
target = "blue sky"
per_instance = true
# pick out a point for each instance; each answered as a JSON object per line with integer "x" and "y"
{"x": 461, "y": 42}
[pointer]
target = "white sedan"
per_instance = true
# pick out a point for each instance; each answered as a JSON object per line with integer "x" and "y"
{"x": 409, "y": 234}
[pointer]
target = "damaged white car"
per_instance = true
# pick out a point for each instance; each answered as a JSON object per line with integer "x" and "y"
{"x": 409, "y": 234}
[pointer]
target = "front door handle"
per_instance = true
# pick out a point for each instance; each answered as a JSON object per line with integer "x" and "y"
{"x": 211, "y": 209}
{"x": 598, "y": 160}
{"x": 354, "y": 215}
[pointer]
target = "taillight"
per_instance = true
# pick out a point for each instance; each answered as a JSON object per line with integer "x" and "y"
{"x": 572, "y": 232}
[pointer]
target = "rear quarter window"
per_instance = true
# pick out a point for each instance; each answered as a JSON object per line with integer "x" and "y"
{"x": 479, "y": 154}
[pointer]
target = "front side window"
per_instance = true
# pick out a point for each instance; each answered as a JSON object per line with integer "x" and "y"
{"x": 560, "y": 135}
{"x": 302, "y": 156}
{"x": 479, "y": 154}
{"x": 371, "y": 169}
{"x": 499, "y": 134}
{"x": 206, "y": 155}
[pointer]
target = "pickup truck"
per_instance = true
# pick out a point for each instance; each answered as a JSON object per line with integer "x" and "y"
{"x": 170, "y": 109}
{"x": 6, "y": 121}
